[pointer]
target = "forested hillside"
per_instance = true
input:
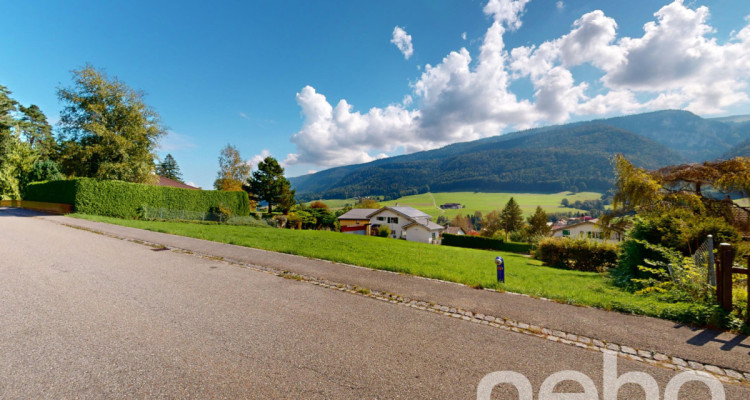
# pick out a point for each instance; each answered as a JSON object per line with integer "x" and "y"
{"x": 544, "y": 160}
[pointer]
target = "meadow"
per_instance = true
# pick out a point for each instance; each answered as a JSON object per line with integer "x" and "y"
{"x": 468, "y": 266}
{"x": 484, "y": 202}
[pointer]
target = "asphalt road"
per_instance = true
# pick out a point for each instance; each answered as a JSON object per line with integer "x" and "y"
{"x": 87, "y": 316}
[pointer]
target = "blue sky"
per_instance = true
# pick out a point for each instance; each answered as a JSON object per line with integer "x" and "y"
{"x": 270, "y": 77}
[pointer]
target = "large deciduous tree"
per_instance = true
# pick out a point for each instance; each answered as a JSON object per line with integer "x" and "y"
{"x": 233, "y": 170}
{"x": 702, "y": 187}
{"x": 108, "y": 130}
{"x": 268, "y": 184}
{"x": 168, "y": 168}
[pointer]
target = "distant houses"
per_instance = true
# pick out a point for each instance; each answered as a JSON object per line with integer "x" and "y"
{"x": 404, "y": 223}
{"x": 451, "y": 206}
{"x": 356, "y": 221}
{"x": 584, "y": 227}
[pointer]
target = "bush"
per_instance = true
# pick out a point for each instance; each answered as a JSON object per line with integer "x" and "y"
{"x": 384, "y": 231}
{"x": 677, "y": 229}
{"x": 124, "y": 200}
{"x": 577, "y": 254}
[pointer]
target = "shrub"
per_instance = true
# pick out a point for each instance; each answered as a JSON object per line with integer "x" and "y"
{"x": 384, "y": 231}
{"x": 577, "y": 254}
{"x": 124, "y": 200}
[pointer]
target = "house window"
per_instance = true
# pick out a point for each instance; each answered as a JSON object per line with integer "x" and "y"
{"x": 381, "y": 218}
{"x": 566, "y": 232}
{"x": 588, "y": 234}
{"x": 392, "y": 220}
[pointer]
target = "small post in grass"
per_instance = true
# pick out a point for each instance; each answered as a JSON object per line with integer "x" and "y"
{"x": 500, "y": 269}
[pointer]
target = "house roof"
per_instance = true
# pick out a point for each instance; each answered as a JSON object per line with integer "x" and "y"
{"x": 454, "y": 230}
{"x": 425, "y": 223}
{"x": 164, "y": 181}
{"x": 358, "y": 213}
{"x": 406, "y": 211}
{"x": 594, "y": 221}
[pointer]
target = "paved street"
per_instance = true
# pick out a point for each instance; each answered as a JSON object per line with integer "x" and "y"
{"x": 83, "y": 315}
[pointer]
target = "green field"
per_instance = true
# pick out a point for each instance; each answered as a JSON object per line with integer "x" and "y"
{"x": 468, "y": 266}
{"x": 484, "y": 202}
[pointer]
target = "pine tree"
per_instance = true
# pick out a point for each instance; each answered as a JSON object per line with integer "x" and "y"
{"x": 268, "y": 184}
{"x": 538, "y": 223}
{"x": 169, "y": 169}
{"x": 511, "y": 218}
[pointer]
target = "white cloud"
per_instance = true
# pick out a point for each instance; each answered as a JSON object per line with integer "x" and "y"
{"x": 243, "y": 115}
{"x": 311, "y": 171}
{"x": 403, "y": 41}
{"x": 256, "y": 159}
{"x": 674, "y": 64}
{"x": 560, "y": 5}
{"x": 463, "y": 35}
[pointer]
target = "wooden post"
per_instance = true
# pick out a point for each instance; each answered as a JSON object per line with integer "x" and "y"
{"x": 724, "y": 279}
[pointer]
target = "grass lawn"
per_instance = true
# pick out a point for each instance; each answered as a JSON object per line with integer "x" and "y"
{"x": 468, "y": 266}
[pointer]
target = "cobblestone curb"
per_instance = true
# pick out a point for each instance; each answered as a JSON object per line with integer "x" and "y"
{"x": 571, "y": 339}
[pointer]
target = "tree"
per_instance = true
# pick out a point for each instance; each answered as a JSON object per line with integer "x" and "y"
{"x": 462, "y": 222}
{"x": 492, "y": 223}
{"x": 233, "y": 171}
{"x": 654, "y": 192}
{"x": 511, "y": 218}
{"x": 538, "y": 223}
{"x": 169, "y": 169}
{"x": 367, "y": 202}
{"x": 16, "y": 156}
{"x": 268, "y": 184}
{"x": 108, "y": 130}
{"x": 37, "y": 131}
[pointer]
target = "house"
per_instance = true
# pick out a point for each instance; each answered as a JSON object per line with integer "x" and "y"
{"x": 407, "y": 223}
{"x": 454, "y": 230}
{"x": 450, "y": 206}
{"x": 356, "y": 221}
{"x": 584, "y": 228}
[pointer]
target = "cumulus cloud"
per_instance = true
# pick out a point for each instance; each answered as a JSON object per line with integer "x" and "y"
{"x": 674, "y": 64}
{"x": 403, "y": 41}
{"x": 256, "y": 159}
{"x": 560, "y": 5}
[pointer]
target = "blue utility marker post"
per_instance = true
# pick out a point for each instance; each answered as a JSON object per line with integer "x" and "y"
{"x": 500, "y": 269}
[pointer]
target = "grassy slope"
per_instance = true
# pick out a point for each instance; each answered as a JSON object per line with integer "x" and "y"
{"x": 468, "y": 266}
{"x": 486, "y": 202}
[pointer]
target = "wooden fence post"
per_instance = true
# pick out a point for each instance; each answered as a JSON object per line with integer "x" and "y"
{"x": 724, "y": 279}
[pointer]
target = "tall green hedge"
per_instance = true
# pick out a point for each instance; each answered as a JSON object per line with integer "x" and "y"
{"x": 123, "y": 199}
{"x": 472, "y": 242}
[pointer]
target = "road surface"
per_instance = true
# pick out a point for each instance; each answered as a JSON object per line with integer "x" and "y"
{"x": 83, "y": 315}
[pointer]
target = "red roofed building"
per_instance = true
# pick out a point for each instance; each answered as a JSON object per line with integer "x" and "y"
{"x": 173, "y": 183}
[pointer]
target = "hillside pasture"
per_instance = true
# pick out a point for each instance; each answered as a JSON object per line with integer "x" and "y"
{"x": 486, "y": 202}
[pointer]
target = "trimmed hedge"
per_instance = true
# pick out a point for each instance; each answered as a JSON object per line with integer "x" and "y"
{"x": 472, "y": 242}
{"x": 125, "y": 200}
{"x": 577, "y": 254}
